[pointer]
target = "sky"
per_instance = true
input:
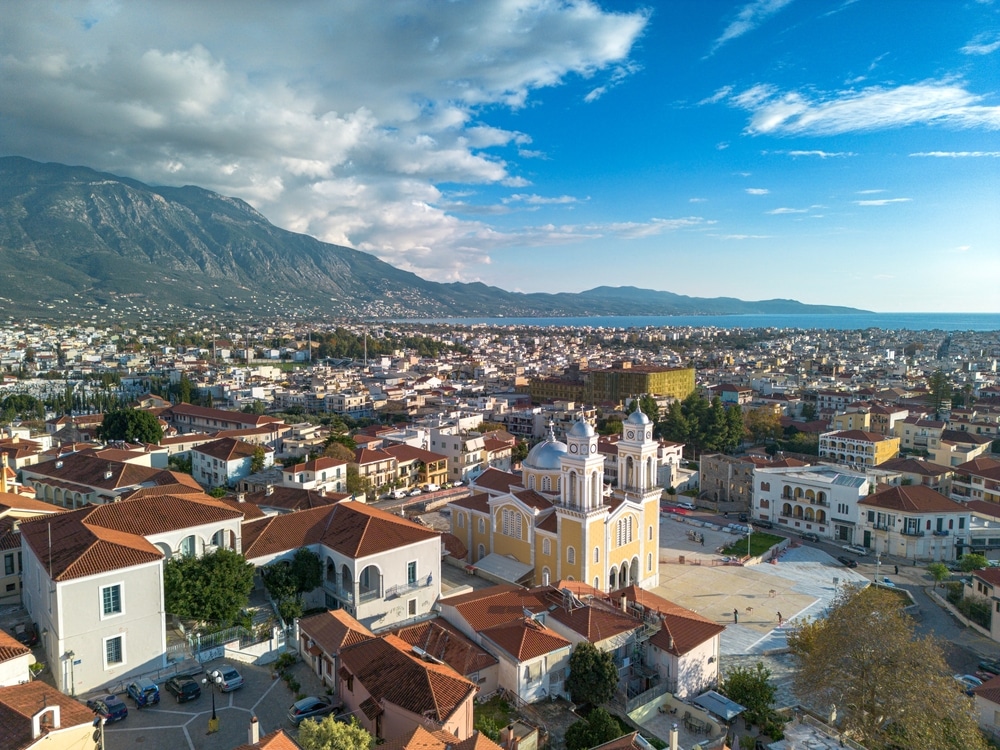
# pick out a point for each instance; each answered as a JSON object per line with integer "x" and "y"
{"x": 835, "y": 152}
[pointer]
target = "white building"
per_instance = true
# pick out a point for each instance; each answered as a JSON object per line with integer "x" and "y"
{"x": 914, "y": 522}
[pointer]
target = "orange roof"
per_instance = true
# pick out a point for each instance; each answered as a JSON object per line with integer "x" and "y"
{"x": 276, "y": 740}
{"x": 914, "y": 498}
{"x": 444, "y": 642}
{"x": 10, "y": 648}
{"x": 497, "y": 605}
{"x": 18, "y": 703}
{"x": 682, "y": 629}
{"x": 334, "y": 630}
{"x": 525, "y": 639}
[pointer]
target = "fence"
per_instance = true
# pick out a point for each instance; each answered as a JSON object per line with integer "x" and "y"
{"x": 830, "y": 732}
{"x": 631, "y": 704}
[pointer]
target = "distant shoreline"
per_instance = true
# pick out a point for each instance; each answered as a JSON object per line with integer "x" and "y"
{"x": 980, "y": 322}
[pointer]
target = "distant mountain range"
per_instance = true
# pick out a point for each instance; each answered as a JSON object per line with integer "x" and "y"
{"x": 73, "y": 239}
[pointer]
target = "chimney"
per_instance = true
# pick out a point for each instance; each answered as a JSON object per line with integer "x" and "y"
{"x": 241, "y": 497}
{"x": 269, "y": 489}
{"x": 624, "y": 603}
{"x": 253, "y": 733}
{"x": 673, "y": 737}
{"x": 3, "y": 472}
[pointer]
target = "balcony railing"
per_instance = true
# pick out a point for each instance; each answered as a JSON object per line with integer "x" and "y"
{"x": 367, "y": 595}
{"x": 942, "y": 532}
{"x": 912, "y": 532}
{"x": 881, "y": 527}
{"x": 403, "y": 588}
{"x": 341, "y": 593}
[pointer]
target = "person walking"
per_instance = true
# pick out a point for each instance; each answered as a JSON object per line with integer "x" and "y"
{"x": 736, "y": 616}
{"x": 897, "y": 569}
{"x": 781, "y": 620}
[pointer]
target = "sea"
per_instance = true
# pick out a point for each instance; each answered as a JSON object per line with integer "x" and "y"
{"x": 841, "y": 322}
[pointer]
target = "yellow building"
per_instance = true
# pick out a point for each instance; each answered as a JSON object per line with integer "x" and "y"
{"x": 562, "y": 523}
{"x": 858, "y": 447}
{"x": 625, "y": 381}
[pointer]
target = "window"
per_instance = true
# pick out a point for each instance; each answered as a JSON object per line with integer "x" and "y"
{"x": 411, "y": 607}
{"x": 650, "y": 533}
{"x": 511, "y": 523}
{"x": 624, "y": 530}
{"x": 114, "y": 651}
{"x": 187, "y": 546}
{"x": 649, "y": 562}
{"x": 481, "y": 552}
{"x": 546, "y": 547}
{"x": 411, "y": 571}
{"x": 546, "y": 575}
{"x": 111, "y": 600}
{"x": 571, "y": 556}
{"x": 461, "y": 520}
{"x": 482, "y": 526}
{"x": 8, "y": 564}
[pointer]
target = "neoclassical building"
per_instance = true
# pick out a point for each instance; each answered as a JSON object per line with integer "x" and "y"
{"x": 561, "y": 522}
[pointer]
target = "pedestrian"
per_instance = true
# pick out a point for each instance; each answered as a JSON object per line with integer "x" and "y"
{"x": 897, "y": 569}
{"x": 703, "y": 543}
{"x": 736, "y": 616}
{"x": 781, "y": 620}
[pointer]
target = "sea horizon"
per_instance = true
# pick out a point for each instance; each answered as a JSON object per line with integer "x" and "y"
{"x": 979, "y": 322}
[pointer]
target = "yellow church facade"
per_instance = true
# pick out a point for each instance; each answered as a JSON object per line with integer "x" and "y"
{"x": 558, "y": 520}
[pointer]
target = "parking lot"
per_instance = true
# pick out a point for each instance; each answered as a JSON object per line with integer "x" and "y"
{"x": 173, "y": 726}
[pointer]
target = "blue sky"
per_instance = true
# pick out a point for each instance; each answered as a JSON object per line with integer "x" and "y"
{"x": 843, "y": 152}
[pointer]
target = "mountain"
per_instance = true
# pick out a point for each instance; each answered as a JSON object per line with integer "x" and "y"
{"x": 74, "y": 239}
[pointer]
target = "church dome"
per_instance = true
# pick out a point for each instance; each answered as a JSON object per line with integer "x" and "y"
{"x": 581, "y": 429}
{"x": 548, "y": 454}
{"x": 637, "y": 418}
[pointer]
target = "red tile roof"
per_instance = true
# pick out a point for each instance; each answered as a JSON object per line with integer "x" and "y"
{"x": 525, "y": 639}
{"x": 444, "y": 642}
{"x": 19, "y": 703}
{"x": 497, "y": 605}
{"x": 227, "y": 449}
{"x": 389, "y": 672}
{"x": 914, "y": 498}
{"x": 10, "y": 648}
{"x": 334, "y": 630}
{"x": 276, "y": 740}
{"x": 682, "y": 631}
{"x": 496, "y": 480}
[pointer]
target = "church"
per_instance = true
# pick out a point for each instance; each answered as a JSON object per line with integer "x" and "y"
{"x": 559, "y": 521}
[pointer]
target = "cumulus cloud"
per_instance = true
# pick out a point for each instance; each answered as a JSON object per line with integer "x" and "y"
{"x": 821, "y": 154}
{"x": 540, "y": 200}
{"x": 757, "y": 191}
{"x": 779, "y": 211}
{"x": 330, "y": 118}
{"x": 776, "y": 112}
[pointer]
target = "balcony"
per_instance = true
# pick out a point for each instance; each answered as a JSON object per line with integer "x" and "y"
{"x": 403, "y": 588}
{"x": 343, "y": 594}
{"x": 942, "y": 532}
{"x": 911, "y": 532}
{"x": 368, "y": 595}
{"x": 880, "y": 526}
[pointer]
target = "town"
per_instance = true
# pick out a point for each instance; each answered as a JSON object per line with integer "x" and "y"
{"x": 490, "y": 535}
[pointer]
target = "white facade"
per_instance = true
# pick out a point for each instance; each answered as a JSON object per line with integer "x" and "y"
{"x": 533, "y": 679}
{"x": 818, "y": 499}
{"x": 113, "y": 623}
{"x": 690, "y": 674}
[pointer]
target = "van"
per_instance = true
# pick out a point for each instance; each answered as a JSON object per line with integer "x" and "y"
{"x": 431, "y": 487}
{"x": 399, "y": 494}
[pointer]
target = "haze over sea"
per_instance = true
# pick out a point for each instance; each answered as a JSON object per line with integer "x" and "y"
{"x": 845, "y": 322}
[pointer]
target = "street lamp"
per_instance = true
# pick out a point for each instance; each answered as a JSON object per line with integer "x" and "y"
{"x": 213, "y": 723}
{"x": 70, "y": 655}
{"x": 878, "y": 567}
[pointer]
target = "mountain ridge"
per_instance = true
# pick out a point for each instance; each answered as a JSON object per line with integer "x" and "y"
{"x": 101, "y": 242}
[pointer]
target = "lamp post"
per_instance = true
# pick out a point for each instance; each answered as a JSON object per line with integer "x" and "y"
{"x": 878, "y": 567}
{"x": 70, "y": 655}
{"x": 213, "y": 723}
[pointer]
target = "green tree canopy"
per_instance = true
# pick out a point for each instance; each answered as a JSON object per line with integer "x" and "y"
{"x": 593, "y": 676}
{"x": 940, "y": 390}
{"x": 130, "y": 425}
{"x": 213, "y": 588}
{"x": 752, "y": 688}
{"x": 973, "y": 561}
{"x": 599, "y": 727}
{"x": 257, "y": 462}
{"x": 307, "y": 570}
{"x": 330, "y": 734}
{"x": 891, "y": 688}
{"x": 939, "y": 572}
{"x": 762, "y": 425}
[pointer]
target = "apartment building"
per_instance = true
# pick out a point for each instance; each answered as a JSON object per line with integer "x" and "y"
{"x": 858, "y": 448}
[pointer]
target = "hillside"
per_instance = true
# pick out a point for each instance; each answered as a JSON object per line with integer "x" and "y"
{"x": 72, "y": 238}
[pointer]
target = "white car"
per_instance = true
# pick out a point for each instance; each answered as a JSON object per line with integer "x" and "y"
{"x": 856, "y": 549}
{"x": 686, "y": 506}
{"x": 416, "y": 493}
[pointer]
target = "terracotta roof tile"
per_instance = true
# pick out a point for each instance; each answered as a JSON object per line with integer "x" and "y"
{"x": 525, "y": 639}
{"x": 682, "y": 629}
{"x": 443, "y": 641}
{"x": 18, "y": 703}
{"x": 497, "y": 481}
{"x": 391, "y": 674}
{"x": 334, "y": 630}
{"x": 10, "y": 648}
{"x": 914, "y": 498}
{"x": 276, "y": 740}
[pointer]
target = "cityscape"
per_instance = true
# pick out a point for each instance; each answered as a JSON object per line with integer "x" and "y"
{"x": 499, "y": 375}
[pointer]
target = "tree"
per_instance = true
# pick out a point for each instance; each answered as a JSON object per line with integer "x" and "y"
{"x": 762, "y": 425}
{"x": 338, "y": 451}
{"x": 184, "y": 389}
{"x": 130, "y": 425}
{"x": 257, "y": 462}
{"x": 254, "y": 407}
{"x": 809, "y": 411}
{"x": 593, "y": 676}
{"x": 972, "y": 562}
{"x": 307, "y": 570}
{"x": 940, "y": 390}
{"x": 939, "y": 572}
{"x": 330, "y": 734}
{"x": 891, "y": 688}
{"x": 650, "y": 408}
{"x": 520, "y": 451}
{"x": 212, "y": 588}
{"x": 599, "y": 727}
{"x": 751, "y": 687}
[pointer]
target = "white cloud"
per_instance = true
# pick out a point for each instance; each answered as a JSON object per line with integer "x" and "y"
{"x": 882, "y": 201}
{"x": 958, "y": 154}
{"x": 961, "y": 249}
{"x": 821, "y": 154}
{"x": 342, "y": 125}
{"x": 774, "y": 112}
{"x": 779, "y": 211}
{"x": 549, "y": 234}
{"x": 742, "y": 236}
{"x": 870, "y": 192}
{"x": 757, "y": 191}
{"x": 718, "y": 96}
{"x": 539, "y": 200}
{"x": 749, "y": 17}
{"x": 697, "y": 200}
{"x": 985, "y": 43}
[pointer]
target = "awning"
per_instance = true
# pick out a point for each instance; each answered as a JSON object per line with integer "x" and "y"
{"x": 504, "y": 567}
{"x": 720, "y": 705}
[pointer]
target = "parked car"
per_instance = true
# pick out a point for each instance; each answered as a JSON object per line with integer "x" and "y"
{"x": 744, "y": 517}
{"x": 26, "y": 633}
{"x": 886, "y": 581}
{"x": 686, "y": 506}
{"x": 810, "y": 536}
{"x": 990, "y": 665}
{"x": 761, "y": 524}
{"x": 968, "y": 682}
{"x": 417, "y": 492}
{"x": 457, "y": 483}
{"x": 183, "y": 688}
{"x": 111, "y": 708}
{"x": 856, "y": 549}
{"x": 399, "y": 494}
{"x": 230, "y": 678}
{"x": 143, "y": 692}
{"x": 847, "y": 561}
{"x": 431, "y": 487}
{"x": 312, "y": 707}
